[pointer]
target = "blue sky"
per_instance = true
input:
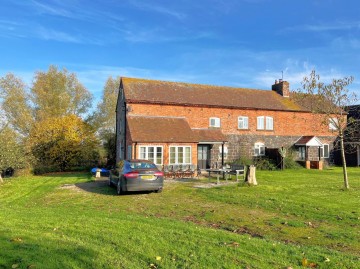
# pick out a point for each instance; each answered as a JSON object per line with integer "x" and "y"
{"x": 243, "y": 43}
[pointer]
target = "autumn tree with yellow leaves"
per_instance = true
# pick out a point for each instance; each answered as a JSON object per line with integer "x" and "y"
{"x": 47, "y": 116}
{"x": 63, "y": 142}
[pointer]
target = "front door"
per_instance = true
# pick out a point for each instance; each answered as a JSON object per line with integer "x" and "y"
{"x": 204, "y": 156}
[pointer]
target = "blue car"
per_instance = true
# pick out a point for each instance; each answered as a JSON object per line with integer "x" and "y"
{"x": 136, "y": 175}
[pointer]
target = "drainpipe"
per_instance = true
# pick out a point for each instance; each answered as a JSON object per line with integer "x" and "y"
{"x": 222, "y": 154}
{"x": 134, "y": 153}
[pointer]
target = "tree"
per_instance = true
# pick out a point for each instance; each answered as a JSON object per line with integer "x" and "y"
{"x": 105, "y": 114}
{"x": 14, "y": 103}
{"x": 104, "y": 118}
{"x": 56, "y": 97}
{"x": 63, "y": 142}
{"x": 330, "y": 101}
{"x": 57, "y": 93}
{"x": 11, "y": 151}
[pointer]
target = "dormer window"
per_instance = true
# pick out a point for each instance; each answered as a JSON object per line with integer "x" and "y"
{"x": 214, "y": 122}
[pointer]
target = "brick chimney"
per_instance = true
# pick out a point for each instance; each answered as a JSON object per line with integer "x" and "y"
{"x": 281, "y": 87}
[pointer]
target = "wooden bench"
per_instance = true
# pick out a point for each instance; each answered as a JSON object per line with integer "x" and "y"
{"x": 238, "y": 170}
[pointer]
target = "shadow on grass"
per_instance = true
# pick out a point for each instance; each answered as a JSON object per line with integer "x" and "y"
{"x": 69, "y": 174}
{"x": 30, "y": 252}
{"x": 101, "y": 186}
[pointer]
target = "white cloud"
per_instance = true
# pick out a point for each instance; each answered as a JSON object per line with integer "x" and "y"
{"x": 51, "y": 9}
{"x": 159, "y": 9}
{"x": 49, "y": 34}
{"x": 325, "y": 27}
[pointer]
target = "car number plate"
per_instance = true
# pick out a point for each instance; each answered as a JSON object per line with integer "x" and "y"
{"x": 147, "y": 177}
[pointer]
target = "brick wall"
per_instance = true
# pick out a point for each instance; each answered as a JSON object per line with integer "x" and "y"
{"x": 285, "y": 123}
{"x": 288, "y": 128}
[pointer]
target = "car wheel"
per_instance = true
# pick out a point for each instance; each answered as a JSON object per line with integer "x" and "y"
{"x": 118, "y": 187}
{"x": 159, "y": 190}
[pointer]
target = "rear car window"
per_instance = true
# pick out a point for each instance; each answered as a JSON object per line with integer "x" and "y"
{"x": 142, "y": 165}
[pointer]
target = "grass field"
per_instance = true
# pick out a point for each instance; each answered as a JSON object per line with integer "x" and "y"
{"x": 70, "y": 221}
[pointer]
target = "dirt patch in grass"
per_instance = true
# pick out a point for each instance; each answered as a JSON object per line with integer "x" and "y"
{"x": 99, "y": 183}
{"x": 91, "y": 186}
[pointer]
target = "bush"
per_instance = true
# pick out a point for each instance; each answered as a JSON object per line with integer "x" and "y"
{"x": 289, "y": 160}
{"x": 40, "y": 170}
{"x": 244, "y": 161}
{"x": 264, "y": 164}
{"x": 261, "y": 163}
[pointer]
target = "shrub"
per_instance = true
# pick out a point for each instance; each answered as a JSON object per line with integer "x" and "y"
{"x": 244, "y": 160}
{"x": 289, "y": 160}
{"x": 40, "y": 170}
{"x": 264, "y": 164}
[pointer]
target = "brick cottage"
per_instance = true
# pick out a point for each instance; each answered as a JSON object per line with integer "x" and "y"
{"x": 174, "y": 123}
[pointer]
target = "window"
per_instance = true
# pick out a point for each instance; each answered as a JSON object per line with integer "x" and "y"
{"x": 260, "y": 123}
{"x": 301, "y": 153}
{"x": 154, "y": 154}
{"x": 180, "y": 155}
{"x": 333, "y": 123}
{"x": 259, "y": 149}
{"x": 129, "y": 153}
{"x": 225, "y": 152}
{"x": 269, "y": 123}
{"x": 265, "y": 123}
{"x": 324, "y": 151}
{"x": 243, "y": 122}
{"x": 214, "y": 122}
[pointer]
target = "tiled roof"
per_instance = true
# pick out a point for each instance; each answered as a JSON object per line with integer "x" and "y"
{"x": 163, "y": 92}
{"x": 209, "y": 135}
{"x": 160, "y": 129}
{"x": 308, "y": 141}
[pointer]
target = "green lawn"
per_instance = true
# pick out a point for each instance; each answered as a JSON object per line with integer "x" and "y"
{"x": 47, "y": 222}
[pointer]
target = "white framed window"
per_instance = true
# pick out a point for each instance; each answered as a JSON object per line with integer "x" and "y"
{"x": 243, "y": 122}
{"x": 214, "y": 122}
{"x": 259, "y": 149}
{"x": 333, "y": 123}
{"x": 260, "y": 123}
{"x": 269, "y": 123}
{"x": 225, "y": 152}
{"x": 152, "y": 153}
{"x": 180, "y": 155}
{"x": 265, "y": 123}
{"x": 324, "y": 151}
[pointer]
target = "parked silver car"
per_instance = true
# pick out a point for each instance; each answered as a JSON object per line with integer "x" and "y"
{"x": 136, "y": 175}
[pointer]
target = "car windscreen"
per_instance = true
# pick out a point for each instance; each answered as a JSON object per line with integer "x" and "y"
{"x": 142, "y": 165}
